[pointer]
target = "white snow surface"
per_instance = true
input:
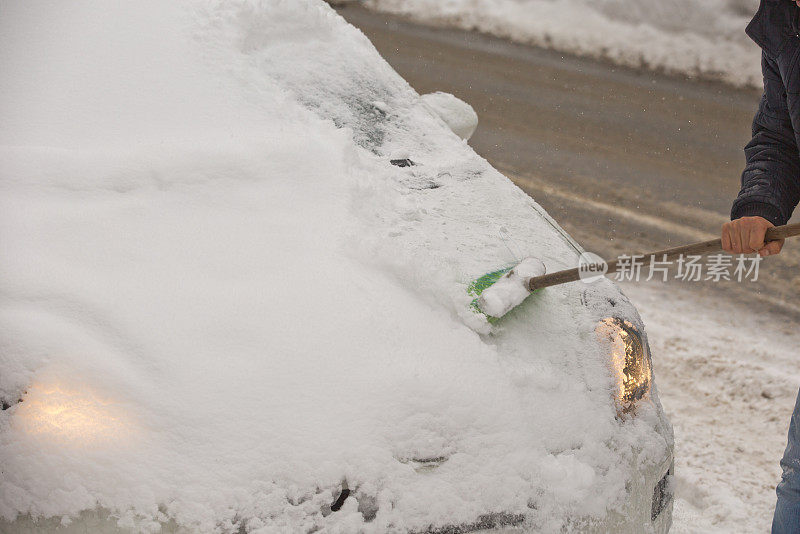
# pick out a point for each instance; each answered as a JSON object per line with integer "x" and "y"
{"x": 698, "y": 38}
{"x": 218, "y": 300}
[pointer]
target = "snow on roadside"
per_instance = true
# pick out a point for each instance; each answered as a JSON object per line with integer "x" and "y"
{"x": 703, "y": 38}
{"x": 728, "y": 381}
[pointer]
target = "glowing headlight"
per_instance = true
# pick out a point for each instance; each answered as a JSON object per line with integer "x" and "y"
{"x": 73, "y": 415}
{"x": 630, "y": 362}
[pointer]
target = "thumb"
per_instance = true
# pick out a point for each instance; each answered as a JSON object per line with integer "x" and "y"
{"x": 771, "y": 248}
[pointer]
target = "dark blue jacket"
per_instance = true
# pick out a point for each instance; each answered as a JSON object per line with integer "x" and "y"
{"x": 771, "y": 179}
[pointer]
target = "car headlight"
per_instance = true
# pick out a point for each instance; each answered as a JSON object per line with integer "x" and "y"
{"x": 71, "y": 414}
{"x": 630, "y": 361}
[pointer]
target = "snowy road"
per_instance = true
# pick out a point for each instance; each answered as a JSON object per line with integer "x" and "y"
{"x": 629, "y": 161}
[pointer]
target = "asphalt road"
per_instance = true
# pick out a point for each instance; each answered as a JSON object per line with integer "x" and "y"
{"x": 626, "y": 161}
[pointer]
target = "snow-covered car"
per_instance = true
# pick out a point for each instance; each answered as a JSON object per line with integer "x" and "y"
{"x": 236, "y": 254}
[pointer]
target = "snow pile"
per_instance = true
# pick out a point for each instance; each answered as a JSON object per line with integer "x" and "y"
{"x": 219, "y": 300}
{"x": 456, "y": 113}
{"x": 703, "y": 38}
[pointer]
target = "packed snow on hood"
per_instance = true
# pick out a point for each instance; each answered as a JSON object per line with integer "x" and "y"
{"x": 220, "y": 301}
{"x": 699, "y": 38}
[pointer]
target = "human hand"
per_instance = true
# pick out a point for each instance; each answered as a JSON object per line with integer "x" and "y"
{"x": 746, "y": 235}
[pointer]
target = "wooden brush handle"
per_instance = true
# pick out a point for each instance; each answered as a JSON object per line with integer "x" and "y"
{"x": 782, "y": 232}
{"x": 668, "y": 254}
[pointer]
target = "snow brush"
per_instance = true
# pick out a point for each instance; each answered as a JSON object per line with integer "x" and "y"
{"x": 499, "y": 292}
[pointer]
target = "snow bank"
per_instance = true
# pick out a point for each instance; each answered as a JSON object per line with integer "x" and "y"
{"x": 219, "y": 300}
{"x": 698, "y": 38}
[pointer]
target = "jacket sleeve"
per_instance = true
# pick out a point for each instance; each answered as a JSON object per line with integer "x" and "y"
{"x": 771, "y": 178}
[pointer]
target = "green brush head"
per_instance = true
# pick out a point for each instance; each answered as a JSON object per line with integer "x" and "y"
{"x": 478, "y": 286}
{"x": 500, "y": 291}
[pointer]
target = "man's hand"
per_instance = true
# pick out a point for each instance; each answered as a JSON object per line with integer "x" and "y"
{"x": 746, "y": 235}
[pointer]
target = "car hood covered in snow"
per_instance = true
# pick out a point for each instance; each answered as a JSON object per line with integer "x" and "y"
{"x": 221, "y": 301}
